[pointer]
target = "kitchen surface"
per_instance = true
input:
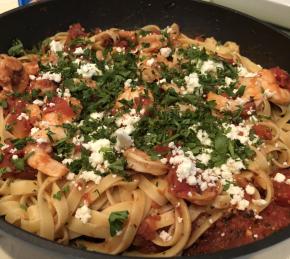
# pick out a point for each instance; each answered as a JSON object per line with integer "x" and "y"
{"x": 273, "y": 11}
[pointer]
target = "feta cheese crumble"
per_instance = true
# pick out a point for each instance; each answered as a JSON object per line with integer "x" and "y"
{"x": 83, "y": 214}
{"x": 97, "y": 115}
{"x": 90, "y": 176}
{"x": 124, "y": 141}
{"x": 165, "y": 236}
{"x": 250, "y": 189}
{"x": 96, "y": 147}
{"x": 192, "y": 82}
{"x": 56, "y": 77}
{"x": 127, "y": 121}
{"x": 210, "y": 66}
{"x": 89, "y": 70}
{"x": 279, "y": 178}
{"x": 165, "y": 52}
{"x": 23, "y": 116}
{"x": 79, "y": 51}
{"x": 56, "y": 46}
{"x": 203, "y": 137}
{"x": 150, "y": 62}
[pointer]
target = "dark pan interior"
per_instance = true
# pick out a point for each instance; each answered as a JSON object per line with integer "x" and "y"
{"x": 257, "y": 41}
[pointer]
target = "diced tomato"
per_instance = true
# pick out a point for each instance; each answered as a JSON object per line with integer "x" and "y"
{"x": 15, "y": 106}
{"x": 282, "y": 77}
{"x": 263, "y": 131}
{"x": 161, "y": 149}
{"x": 225, "y": 95}
{"x": 61, "y": 106}
{"x": 179, "y": 189}
{"x": 147, "y": 227}
{"x": 19, "y": 128}
{"x": 87, "y": 197}
{"x": 282, "y": 190}
{"x": 122, "y": 44}
{"x": 142, "y": 102}
{"x": 76, "y": 31}
{"x": 248, "y": 108}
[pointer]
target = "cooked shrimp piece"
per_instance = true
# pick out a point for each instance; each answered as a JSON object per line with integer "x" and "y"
{"x": 44, "y": 85}
{"x": 154, "y": 41}
{"x": 12, "y": 75}
{"x": 34, "y": 111}
{"x": 263, "y": 85}
{"x": 252, "y": 93}
{"x": 128, "y": 35}
{"x": 42, "y": 162}
{"x": 141, "y": 162}
{"x": 190, "y": 192}
{"x": 277, "y": 95}
{"x": 139, "y": 95}
{"x": 31, "y": 68}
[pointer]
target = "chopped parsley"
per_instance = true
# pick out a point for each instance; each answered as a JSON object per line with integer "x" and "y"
{"x": 117, "y": 220}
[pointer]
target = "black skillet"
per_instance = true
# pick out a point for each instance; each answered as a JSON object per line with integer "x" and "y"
{"x": 258, "y": 41}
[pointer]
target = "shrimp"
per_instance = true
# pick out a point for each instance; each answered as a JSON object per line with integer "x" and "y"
{"x": 40, "y": 160}
{"x": 139, "y": 95}
{"x": 12, "y": 74}
{"x": 154, "y": 42}
{"x": 53, "y": 117}
{"x": 127, "y": 35}
{"x": 60, "y": 113}
{"x": 277, "y": 95}
{"x": 263, "y": 85}
{"x": 252, "y": 93}
{"x": 141, "y": 162}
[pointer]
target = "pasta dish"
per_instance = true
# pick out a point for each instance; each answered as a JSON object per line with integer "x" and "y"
{"x": 143, "y": 142}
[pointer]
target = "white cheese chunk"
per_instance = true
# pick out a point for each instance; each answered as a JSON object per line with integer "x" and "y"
{"x": 165, "y": 236}
{"x": 79, "y": 51}
{"x": 209, "y": 66}
{"x": 23, "y": 116}
{"x": 97, "y": 115}
{"x": 203, "y": 137}
{"x": 56, "y": 77}
{"x": 83, "y": 214}
{"x": 56, "y": 46}
{"x": 88, "y": 70}
{"x": 279, "y": 178}
{"x": 250, "y": 189}
{"x": 192, "y": 82}
{"x": 165, "y": 52}
{"x": 90, "y": 176}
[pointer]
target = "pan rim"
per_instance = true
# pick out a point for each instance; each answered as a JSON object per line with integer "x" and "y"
{"x": 12, "y": 230}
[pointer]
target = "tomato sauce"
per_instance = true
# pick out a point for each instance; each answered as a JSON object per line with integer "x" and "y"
{"x": 76, "y": 31}
{"x": 60, "y": 106}
{"x": 28, "y": 172}
{"x": 20, "y": 128}
{"x": 240, "y": 228}
{"x": 147, "y": 228}
{"x": 263, "y": 131}
{"x": 282, "y": 77}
